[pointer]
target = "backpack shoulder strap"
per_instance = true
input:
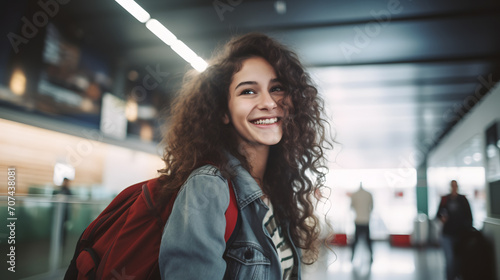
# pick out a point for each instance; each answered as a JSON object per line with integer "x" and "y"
{"x": 231, "y": 213}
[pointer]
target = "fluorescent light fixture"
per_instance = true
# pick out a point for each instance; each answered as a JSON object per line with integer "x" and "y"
{"x": 161, "y": 31}
{"x": 135, "y": 10}
{"x": 199, "y": 64}
{"x": 184, "y": 51}
{"x": 280, "y": 7}
{"x": 164, "y": 34}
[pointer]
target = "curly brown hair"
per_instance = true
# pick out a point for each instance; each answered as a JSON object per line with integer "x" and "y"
{"x": 296, "y": 165}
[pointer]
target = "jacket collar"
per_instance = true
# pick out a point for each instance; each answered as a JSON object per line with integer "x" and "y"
{"x": 245, "y": 187}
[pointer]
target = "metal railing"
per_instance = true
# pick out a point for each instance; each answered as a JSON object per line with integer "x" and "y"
{"x": 43, "y": 232}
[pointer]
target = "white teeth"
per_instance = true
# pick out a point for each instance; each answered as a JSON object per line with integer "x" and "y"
{"x": 266, "y": 121}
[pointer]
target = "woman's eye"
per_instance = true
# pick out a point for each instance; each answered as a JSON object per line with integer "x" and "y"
{"x": 277, "y": 89}
{"x": 248, "y": 91}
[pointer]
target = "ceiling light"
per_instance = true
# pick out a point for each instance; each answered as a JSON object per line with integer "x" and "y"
{"x": 133, "y": 75}
{"x": 280, "y": 7}
{"x": 183, "y": 51}
{"x": 199, "y": 64}
{"x": 467, "y": 160}
{"x": 161, "y": 31}
{"x": 477, "y": 156}
{"x": 86, "y": 105}
{"x": 134, "y": 9}
{"x": 164, "y": 34}
{"x": 18, "y": 82}
{"x": 131, "y": 111}
{"x": 146, "y": 133}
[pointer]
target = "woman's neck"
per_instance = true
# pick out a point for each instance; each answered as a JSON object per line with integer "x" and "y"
{"x": 257, "y": 159}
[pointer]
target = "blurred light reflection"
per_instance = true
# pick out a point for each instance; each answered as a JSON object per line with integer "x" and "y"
{"x": 18, "y": 82}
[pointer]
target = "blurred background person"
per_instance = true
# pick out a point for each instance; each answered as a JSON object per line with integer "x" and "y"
{"x": 362, "y": 203}
{"x": 64, "y": 188}
{"x": 63, "y": 194}
{"x": 455, "y": 214}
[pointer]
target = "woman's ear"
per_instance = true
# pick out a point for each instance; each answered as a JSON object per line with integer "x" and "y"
{"x": 225, "y": 119}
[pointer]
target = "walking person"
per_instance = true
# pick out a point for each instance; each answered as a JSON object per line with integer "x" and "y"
{"x": 362, "y": 203}
{"x": 455, "y": 214}
{"x": 64, "y": 193}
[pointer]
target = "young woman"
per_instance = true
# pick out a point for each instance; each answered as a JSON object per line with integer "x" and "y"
{"x": 254, "y": 118}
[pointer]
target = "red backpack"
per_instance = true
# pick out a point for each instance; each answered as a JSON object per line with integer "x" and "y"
{"x": 124, "y": 240}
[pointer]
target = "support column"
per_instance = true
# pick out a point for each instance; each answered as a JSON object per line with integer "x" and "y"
{"x": 421, "y": 189}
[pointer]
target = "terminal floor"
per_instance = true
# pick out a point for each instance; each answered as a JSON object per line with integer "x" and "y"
{"x": 389, "y": 263}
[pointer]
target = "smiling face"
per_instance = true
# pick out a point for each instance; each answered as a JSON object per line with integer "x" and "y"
{"x": 254, "y": 103}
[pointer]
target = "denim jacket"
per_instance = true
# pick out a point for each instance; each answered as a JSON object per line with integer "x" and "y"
{"x": 193, "y": 245}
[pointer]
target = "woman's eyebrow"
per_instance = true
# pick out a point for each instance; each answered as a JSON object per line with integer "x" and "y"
{"x": 245, "y": 83}
{"x": 275, "y": 80}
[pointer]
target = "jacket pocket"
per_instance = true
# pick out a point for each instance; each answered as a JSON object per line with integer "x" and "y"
{"x": 247, "y": 262}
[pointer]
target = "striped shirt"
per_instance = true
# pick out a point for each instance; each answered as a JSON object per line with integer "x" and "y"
{"x": 283, "y": 248}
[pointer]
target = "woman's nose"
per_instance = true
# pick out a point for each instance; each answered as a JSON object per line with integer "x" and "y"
{"x": 267, "y": 101}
